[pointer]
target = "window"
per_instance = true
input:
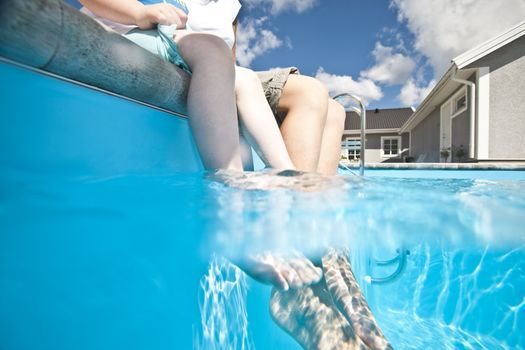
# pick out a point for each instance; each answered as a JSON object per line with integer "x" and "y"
{"x": 390, "y": 146}
{"x": 351, "y": 148}
{"x": 460, "y": 103}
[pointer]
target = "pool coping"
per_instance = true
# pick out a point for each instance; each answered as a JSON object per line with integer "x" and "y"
{"x": 441, "y": 166}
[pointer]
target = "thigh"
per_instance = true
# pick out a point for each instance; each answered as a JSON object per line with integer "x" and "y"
{"x": 303, "y": 93}
{"x": 304, "y": 90}
{"x": 273, "y": 83}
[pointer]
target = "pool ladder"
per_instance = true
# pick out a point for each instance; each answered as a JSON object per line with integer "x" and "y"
{"x": 361, "y": 112}
{"x": 400, "y": 259}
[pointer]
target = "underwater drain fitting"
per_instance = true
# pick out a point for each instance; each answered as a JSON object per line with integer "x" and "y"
{"x": 400, "y": 259}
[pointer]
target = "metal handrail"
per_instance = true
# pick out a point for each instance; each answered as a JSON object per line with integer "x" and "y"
{"x": 361, "y": 112}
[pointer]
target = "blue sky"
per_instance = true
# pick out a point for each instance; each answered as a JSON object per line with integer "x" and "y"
{"x": 391, "y": 52}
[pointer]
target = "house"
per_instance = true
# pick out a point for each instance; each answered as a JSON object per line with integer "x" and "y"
{"x": 384, "y": 141}
{"x": 477, "y": 110}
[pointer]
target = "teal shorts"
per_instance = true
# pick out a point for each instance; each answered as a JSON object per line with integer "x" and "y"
{"x": 159, "y": 43}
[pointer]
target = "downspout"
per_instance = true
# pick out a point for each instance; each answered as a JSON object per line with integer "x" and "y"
{"x": 472, "y": 109}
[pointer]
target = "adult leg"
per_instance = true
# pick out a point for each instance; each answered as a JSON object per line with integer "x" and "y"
{"x": 330, "y": 315}
{"x": 304, "y": 102}
{"x": 258, "y": 120}
{"x": 211, "y": 100}
{"x": 331, "y": 140}
{"x": 351, "y": 302}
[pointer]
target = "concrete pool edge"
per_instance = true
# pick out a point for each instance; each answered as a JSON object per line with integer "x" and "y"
{"x": 441, "y": 166}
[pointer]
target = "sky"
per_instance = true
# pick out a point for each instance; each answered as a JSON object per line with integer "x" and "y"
{"x": 389, "y": 52}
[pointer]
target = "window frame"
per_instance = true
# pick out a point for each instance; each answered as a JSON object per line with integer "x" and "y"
{"x": 399, "y": 148}
{"x": 455, "y": 98}
{"x": 351, "y": 153}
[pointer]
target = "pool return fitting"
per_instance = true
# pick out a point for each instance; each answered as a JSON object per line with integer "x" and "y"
{"x": 400, "y": 259}
{"x": 361, "y": 112}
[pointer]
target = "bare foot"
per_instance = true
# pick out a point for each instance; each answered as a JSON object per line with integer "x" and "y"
{"x": 290, "y": 271}
{"x": 348, "y": 297}
{"x": 311, "y": 318}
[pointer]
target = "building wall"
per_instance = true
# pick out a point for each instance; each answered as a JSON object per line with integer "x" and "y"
{"x": 461, "y": 128}
{"x": 373, "y": 147}
{"x": 507, "y": 102}
{"x": 425, "y": 139}
{"x": 461, "y": 133}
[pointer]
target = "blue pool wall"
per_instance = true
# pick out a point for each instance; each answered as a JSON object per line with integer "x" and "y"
{"x": 51, "y": 126}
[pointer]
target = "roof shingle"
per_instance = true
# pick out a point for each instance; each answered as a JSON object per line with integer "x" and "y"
{"x": 390, "y": 118}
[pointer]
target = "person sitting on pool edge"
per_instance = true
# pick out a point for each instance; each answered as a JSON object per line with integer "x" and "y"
{"x": 218, "y": 91}
{"x": 287, "y": 268}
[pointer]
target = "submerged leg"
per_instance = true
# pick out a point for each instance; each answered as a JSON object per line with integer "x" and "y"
{"x": 290, "y": 271}
{"x": 311, "y": 318}
{"x": 348, "y": 297}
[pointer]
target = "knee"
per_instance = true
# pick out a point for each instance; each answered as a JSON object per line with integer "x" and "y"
{"x": 246, "y": 79}
{"x": 314, "y": 94}
{"x": 336, "y": 115}
{"x": 205, "y": 49}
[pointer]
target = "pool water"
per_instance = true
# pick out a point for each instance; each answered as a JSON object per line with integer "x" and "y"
{"x": 135, "y": 261}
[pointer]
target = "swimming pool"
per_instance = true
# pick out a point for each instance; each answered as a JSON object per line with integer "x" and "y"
{"x": 113, "y": 262}
{"x": 108, "y": 224}
{"x": 463, "y": 285}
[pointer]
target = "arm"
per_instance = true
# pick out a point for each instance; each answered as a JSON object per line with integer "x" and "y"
{"x": 134, "y": 12}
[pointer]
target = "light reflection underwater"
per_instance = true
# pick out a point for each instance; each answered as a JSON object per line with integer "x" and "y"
{"x": 463, "y": 285}
{"x": 128, "y": 259}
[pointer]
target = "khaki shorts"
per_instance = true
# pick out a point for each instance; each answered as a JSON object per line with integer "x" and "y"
{"x": 273, "y": 82}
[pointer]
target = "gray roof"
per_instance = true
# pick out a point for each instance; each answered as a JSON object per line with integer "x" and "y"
{"x": 390, "y": 118}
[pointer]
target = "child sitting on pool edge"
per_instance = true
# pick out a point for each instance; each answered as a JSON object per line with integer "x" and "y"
{"x": 217, "y": 89}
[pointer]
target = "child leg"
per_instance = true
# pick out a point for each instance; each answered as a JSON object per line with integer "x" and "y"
{"x": 258, "y": 121}
{"x": 211, "y": 100}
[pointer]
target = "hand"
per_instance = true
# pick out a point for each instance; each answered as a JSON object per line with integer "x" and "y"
{"x": 151, "y": 15}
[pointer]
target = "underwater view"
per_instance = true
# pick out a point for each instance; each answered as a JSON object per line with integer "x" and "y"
{"x": 145, "y": 261}
{"x": 115, "y": 233}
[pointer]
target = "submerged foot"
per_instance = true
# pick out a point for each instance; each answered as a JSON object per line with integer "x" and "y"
{"x": 311, "y": 318}
{"x": 348, "y": 297}
{"x": 272, "y": 180}
{"x": 290, "y": 271}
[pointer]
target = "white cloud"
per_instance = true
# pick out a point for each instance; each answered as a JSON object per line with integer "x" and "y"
{"x": 253, "y": 40}
{"x": 390, "y": 68}
{"x": 446, "y": 28}
{"x": 364, "y": 88}
{"x": 412, "y": 95}
{"x": 278, "y": 6}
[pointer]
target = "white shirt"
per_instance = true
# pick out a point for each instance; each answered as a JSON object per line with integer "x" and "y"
{"x": 213, "y": 17}
{"x": 204, "y": 16}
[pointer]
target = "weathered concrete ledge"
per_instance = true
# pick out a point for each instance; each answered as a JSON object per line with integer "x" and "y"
{"x": 55, "y": 37}
{"x": 442, "y": 166}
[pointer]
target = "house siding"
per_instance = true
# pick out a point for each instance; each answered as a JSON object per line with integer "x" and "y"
{"x": 425, "y": 138}
{"x": 507, "y": 102}
{"x": 373, "y": 147}
{"x": 461, "y": 132}
{"x": 461, "y": 126}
